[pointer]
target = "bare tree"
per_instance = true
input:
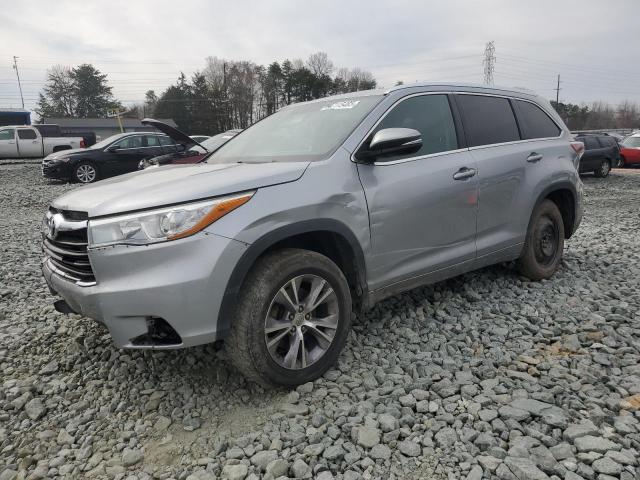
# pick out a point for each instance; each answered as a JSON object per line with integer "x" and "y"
{"x": 320, "y": 64}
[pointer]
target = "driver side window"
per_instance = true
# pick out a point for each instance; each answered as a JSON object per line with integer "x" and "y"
{"x": 428, "y": 114}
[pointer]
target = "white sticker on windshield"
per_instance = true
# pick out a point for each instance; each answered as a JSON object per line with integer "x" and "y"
{"x": 344, "y": 105}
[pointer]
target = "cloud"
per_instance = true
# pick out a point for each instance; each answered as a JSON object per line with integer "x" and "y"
{"x": 145, "y": 44}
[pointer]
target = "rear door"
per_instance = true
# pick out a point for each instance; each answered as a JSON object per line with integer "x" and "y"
{"x": 8, "y": 145}
{"x": 153, "y": 147}
{"x": 29, "y": 144}
{"x": 511, "y": 160}
{"x": 422, "y": 218}
{"x": 593, "y": 154}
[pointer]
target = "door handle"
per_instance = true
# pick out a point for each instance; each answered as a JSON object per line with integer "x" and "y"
{"x": 464, "y": 173}
{"x": 534, "y": 157}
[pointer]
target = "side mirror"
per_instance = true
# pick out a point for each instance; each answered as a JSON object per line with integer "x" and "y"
{"x": 392, "y": 141}
{"x": 113, "y": 148}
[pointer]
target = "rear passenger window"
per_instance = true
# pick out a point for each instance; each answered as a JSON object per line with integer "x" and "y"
{"x": 25, "y": 134}
{"x": 590, "y": 143}
{"x": 487, "y": 120}
{"x": 606, "y": 141}
{"x": 534, "y": 122}
{"x": 431, "y": 116}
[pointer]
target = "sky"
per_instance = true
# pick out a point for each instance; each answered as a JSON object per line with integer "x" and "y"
{"x": 142, "y": 45}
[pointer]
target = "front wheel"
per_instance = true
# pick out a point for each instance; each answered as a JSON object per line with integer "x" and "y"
{"x": 544, "y": 242}
{"x": 621, "y": 163}
{"x": 85, "y": 172}
{"x": 603, "y": 170}
{"x": 292, "y": 319}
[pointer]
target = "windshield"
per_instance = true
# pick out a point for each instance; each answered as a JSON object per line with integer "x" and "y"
{"x": 301, "y": 132}
{"x": 631, "y": 142}
{"x": 106, "y": 141}
{"x": 214, "y": 142}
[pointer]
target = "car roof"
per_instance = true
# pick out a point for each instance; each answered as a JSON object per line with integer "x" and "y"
{"x": 436, "y": 86}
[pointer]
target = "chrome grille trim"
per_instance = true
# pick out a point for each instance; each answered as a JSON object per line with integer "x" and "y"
{"x": 64, "y": 244}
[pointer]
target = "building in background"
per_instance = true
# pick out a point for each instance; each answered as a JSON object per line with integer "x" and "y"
{"x": 102, "y": 127}
{"x": 14, "y": 116}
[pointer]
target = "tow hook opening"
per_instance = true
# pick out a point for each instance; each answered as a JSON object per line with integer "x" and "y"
{"x": 63, "y": 307}
{"x": 159, "y": 333}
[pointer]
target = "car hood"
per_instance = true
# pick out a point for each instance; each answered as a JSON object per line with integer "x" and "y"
{"x": 180, "y": 137}
{"x": 66, "y": 153}
{"x": 173, "y": 184}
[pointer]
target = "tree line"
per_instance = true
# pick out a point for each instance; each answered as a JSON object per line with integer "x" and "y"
{"x": 599, "y": 115}
{"x": 225, "y": 94}
{"x": 234, "y": 94}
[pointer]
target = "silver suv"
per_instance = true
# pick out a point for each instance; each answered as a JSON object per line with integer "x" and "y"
{"x": 322, "y": 209}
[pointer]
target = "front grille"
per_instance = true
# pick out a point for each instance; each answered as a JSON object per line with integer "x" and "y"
{"x": 65, "y": 245}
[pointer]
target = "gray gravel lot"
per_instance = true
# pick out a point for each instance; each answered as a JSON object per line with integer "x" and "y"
{"x": 484, "y": 376}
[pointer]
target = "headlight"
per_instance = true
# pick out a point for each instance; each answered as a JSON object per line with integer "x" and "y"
{"x": 163, "y": 224}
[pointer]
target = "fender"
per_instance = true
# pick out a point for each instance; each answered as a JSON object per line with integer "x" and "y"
{"x": 257, "y": 248}
{"x": 561, "y": 185}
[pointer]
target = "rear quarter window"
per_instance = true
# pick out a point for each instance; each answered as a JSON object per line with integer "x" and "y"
{"x": 534, "y": 122}
{"x": 487, "y": 120}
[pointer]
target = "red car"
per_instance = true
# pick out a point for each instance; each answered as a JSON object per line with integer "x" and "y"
{"x": 630, "y": 150}
{"x": 187, "y": 149}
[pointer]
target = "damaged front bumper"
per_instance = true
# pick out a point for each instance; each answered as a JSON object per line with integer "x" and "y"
{"x": 165, "y": 295}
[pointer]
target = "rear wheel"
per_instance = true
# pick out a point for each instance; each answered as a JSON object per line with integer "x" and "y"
{"x": 544, "y": 242}
{"x": 85, "y": 172}
{"x": 604, "y": 169}
{"x": 621, "y": 163}
{"x": 292, "y": 319}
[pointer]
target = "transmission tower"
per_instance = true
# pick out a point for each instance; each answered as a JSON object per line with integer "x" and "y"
{"x": 489, "y": 62}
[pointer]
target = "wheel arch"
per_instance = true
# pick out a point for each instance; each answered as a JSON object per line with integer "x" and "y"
{"x": 325, "y": 236}
{"x": 564, "y": 195}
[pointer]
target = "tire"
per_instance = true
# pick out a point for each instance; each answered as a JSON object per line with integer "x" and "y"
{"x": 82, "y": 172}
{"x": 603, "y": 170}
{"x": 261, "y": 302}
{"x": 621, "y": 163}
{"x": 544, "y": 242}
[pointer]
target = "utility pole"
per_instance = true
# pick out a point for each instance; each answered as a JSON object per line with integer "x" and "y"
{"x": 557, "y": 89}
{"x": 15, "y": 67}
{"x": 489, "y": 62}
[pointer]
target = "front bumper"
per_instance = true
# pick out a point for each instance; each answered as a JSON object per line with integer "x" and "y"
{"x": 57, "y": 170}
{"x": 182, "y": 282}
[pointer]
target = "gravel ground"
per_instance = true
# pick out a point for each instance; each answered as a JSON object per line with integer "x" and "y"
{"x": 484, "y": 376}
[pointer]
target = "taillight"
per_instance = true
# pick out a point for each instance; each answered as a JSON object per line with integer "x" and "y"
{"x": 578, "y": 147}
{"x": 82, "y": 144}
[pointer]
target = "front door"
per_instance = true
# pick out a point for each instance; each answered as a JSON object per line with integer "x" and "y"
{"x": 127, "y": 156}
{"x": 8, "y": 145}
{"x": 423, "y": 205}
{"x": 29, "y": 144}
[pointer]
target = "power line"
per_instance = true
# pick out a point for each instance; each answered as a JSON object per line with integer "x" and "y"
{"x": 489, "y": 63}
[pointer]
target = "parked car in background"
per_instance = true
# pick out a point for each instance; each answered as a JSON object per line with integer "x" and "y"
{"x": 115, "y": 155}
{"x": 601, "y": 154}
{"x": 188, "y": 150}
{"x": 25, "y": 141}
{"x": 630, "y": 150}
{"x": 321, "y": 208}
{"x": 52, "y": 130}
{"x": 199, "y": 138}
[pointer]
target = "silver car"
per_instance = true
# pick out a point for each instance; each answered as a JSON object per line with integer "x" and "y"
{"x": 322, "y": 209}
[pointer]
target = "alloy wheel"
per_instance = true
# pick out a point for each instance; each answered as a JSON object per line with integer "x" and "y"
{"x": 301, "y": 321}
{"x": 86, "y": 173}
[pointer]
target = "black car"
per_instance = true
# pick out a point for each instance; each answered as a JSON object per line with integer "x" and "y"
{"x": 601, "y": 153}
{"x": 115, "y": 155}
